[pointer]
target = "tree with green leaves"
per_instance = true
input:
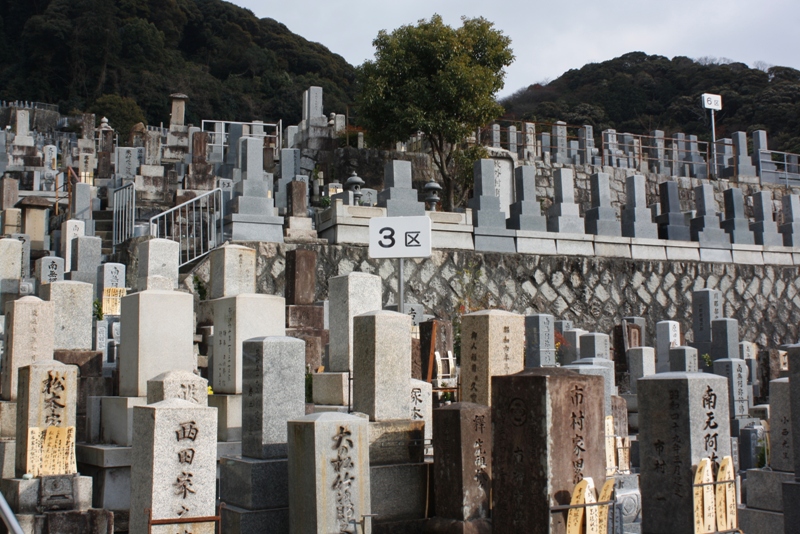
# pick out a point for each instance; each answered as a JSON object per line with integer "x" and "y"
{"x": 435, "y": 80}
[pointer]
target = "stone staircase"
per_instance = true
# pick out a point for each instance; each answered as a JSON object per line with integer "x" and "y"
{"x": 104, "y": 229}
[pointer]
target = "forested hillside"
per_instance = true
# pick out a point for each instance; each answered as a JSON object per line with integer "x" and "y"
{"x": 232, "y": 65}
{"x": 638, "y": 93}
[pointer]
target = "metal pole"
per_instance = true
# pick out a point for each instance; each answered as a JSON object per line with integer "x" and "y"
{"x": 401, "y": 286}
{"x": 714, "y": 142}
{"x": 9, "y": 518}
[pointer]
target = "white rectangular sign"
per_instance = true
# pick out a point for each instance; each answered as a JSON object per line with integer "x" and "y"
{"x": 400, "y": 237}
{"x": 712, "y": 101}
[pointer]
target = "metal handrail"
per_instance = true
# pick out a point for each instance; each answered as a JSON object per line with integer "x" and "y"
{"x": 124, "y": 209}
{"x": 8, "y": 517}
{"x": 197, "y": 225}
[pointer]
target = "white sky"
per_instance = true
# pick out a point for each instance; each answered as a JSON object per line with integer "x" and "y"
{"x": 551, "y": 37}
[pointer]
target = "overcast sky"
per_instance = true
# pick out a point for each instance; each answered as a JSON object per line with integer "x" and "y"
{"x": 551, "y": 37}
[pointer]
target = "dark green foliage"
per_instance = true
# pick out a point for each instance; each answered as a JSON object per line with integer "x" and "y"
{"x": 638, "y": 93}
{"x": 232, "y": 65}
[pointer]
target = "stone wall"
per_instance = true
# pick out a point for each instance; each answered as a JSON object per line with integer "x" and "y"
{"x": 593, "y": 292}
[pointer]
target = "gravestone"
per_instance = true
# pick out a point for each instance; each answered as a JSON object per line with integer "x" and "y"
{"x": 236, "y": 319}
{"x": 705, "y": 228}
{"x": 72, "y": 315}
{"x": 488, "y": 220}
{"x": 271, "y": 365}
{"x": 765, "y": 229}
{"x": 571, "y": 349}
{"x": 111, "y": 287}
{"x": 564, "y": 215}
{"x": 683, "y": 419}
{"x": 637, "y": 219}
{"x": 548, "y": 428}
{"x": 791, "y": 220}
{"x": 158, "y": 337}
{"x": 25, "y": 267}
{"x": 601, "y": 218}
{"x": 463, "y": 464}
{"x": 398, "y": 196}
{"x": 9, "y": 193}
{"x": 526, "y": 212}
{"x": 10, "y": 269}
{"x": 641, "y": 363}
{"x": 329, "y": 474}
{"x": 491, "y": 345}
{"x": 70, "y": 230}
{"x": 780, "y": 426}
{"x": 349, "y": 295}
{"x": 742, "y": 163}
{"x": 735, "y": 372}
{"x": 736, "y": 223}
{"x": 668, "y": 335}
{"x": 683, "y": 360}
{"x": 301, "y": 277}
{"x": 48, "y": 395}
{"x": 671, "y": 222}
{"x": 173, "y": 464}
{"x": 421, "y": 405}
{"x": 540, "y": 348}
{"x": 706, "y": 307}
{"x": 158, "y": 264}
{"x": 233, "y": 271}
{"x": 29, "y": 329}
{"x": 381, "y": 364}
{"x": 86, "y": 257}
{"x": 182, "y": 385}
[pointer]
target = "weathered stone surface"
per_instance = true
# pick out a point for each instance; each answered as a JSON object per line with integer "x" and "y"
{"x": 597, "y": 292}
{"x": 780, "y": 426}
{"x": 492, "y": 345}
{"x": 274, "y": 385}
{"x": 72, "y": 313}
{"x": 28, "y": 338}
{"x": 329, "y": 477}
{"x": 548, "y": 427}
{"x": 158, "y": 264}
{"x": 301, "y": 276}
{"x": 349, "y": 295}
{"x": 463, "y": 463}
{"x": 178, "y": 385}
{"x": 173, "y": 467}
{"x": 233, "y": 271}
{"x": 382, "y": 364}
{"x": 683, "y": 418}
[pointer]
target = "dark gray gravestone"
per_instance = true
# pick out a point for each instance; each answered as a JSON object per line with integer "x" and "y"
{"x": 488, "y": 220}
{"x": 671, "y": 221}
{"x": 601, "y": 218}
{"x": 526, "y": 213}
{"x": 683, "y": 418}
{"x": 564, "y": 215}
{"x": 765, "y": 230}
{"x": 637, "y": 220}
{"x": 735, "y": 223}
{"x": 398, "y": 197}
{"x": 705, "y": 227}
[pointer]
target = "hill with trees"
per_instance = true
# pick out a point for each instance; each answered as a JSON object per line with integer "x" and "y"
{"x": 638, "y": 93}
{"x": 232, "y": 65}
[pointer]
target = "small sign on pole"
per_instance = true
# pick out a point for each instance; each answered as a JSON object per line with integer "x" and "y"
{"x": 711, "y": 101}
{"x": 400, "y": 237}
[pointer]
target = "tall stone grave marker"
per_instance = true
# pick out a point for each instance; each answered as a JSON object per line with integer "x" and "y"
{"x": 641, "y": 363}
{"x": 668, "y": 335}
{"x": 736, "y": 223}
{"x": 329, "y": 474}
{"x": 765, "y": 229}
{"x": 70, "y": 230}
{"x": 791, "y": 220}
{"x": 28, "y": 338}
{"x": 601, "y": 218}
{"x": 491, "y": 344}
{"x": 735, "y": 372}
{"x": 706, "y": 307}
{"x": 540, "y": 345}
{"x": 463, "y": 465}
{"x": 705, "y": 227}
{"x": 381, "y": 364}
{"x": 564, "y": 215}
{"x": 548, "y": 428}
{"x": 350, "y": 295}
{"x": 233, "y": 271}
{"x": 637, "y": 219}
{"x": 671, "y": 223}
{"x": 72, "y": 313}
{"x": 158, "y": 264}
{"x": 489, "y": 221}
{"x": 526, "y": 212}
{"x": 173, "y": 464}
{"x": 48, "y": 395}
{"x": 683, "y": 418}
{"x": 397, "y": 196}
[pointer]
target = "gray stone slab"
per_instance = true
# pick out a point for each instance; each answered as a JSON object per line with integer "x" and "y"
{"x": 254, "y": 484}
{"x": 349, "y": 295}
{"x": 540, "y": 349}
{"x": 274, "y": 392}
